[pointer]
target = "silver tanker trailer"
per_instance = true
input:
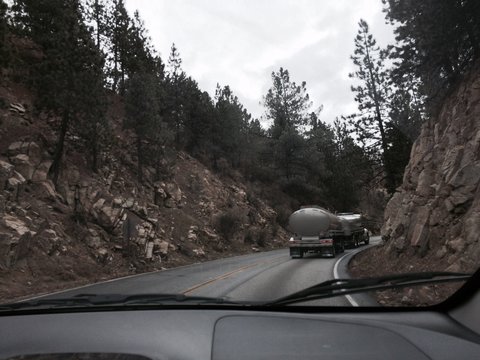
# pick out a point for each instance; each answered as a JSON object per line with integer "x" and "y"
{"x": 353, "y": 231}
{"x": 319, "y": 231}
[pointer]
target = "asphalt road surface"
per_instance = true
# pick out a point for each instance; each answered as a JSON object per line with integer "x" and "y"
{"x": 260, "y": 276}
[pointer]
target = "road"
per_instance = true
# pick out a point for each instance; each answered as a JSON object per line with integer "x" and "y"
{"x": 259, "y": 276}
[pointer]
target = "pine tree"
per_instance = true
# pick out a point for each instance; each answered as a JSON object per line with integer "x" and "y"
{"x": 118, "y": 31}
{"x": 286, "y": 104}
{"x": 142, "y": 113}
{"x": 69, "y": 77}
{"x": 96, "y": 16}
{"x": 372, "y": 95}
{"x": 4, "y": 52}
{"x": 198, "y": 121}
{"x": 176, "y": 84}
{"x": 92, "y": 124}
{"x": 232, "y": 123}
{"x": 350, "y": 169}
{"x": 438, "y": 40}
{"x": 140, "y": 52}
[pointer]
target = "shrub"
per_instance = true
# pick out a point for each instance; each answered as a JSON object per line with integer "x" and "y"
{"x": 252, "y": 198}
{"x": 256, "y": 236}
{"x": 306, "y": 193}
{"x": 3, "y": 103}
{"x": 283, "y": 213}
{"x": 228, "y": 223}
{"x": 275, "y": 229}
{"x": 262, "y": 237}
{"x": 249, "y": 237}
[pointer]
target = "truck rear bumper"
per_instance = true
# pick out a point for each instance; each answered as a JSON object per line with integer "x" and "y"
{"x": 299, "y": 245}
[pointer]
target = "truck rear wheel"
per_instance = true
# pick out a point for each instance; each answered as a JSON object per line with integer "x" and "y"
{"x": 296, "y": 253}
{"x": 367, "y": 239}
{"x": 340, "y": 248}
{"x": 355, "y": 241}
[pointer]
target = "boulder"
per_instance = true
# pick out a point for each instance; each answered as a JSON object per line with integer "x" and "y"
{"x": 16, "y": 148}
{"x": 41, "y": 171}
{"x": 170, "y": 193}
{"x": 425, "y": 182}
{"x": 149, "y": 250}
{"x": 106, "y": 215}
{"x": 31, "y": 149}
{"x": 129, "y": 203}
{"x": 169, "y": 203}
{"x": 161, "y": 247}
{"x": 456, "y": 245}
{"x": 48, "y": 189}
{"x": 102, "y": 255}
{"x": 15, "y": 184}
{"x": 6, "y": 172}
{"x": 15, "y": 224}
{"x": 192, "y": 233}
{"x": 93, "y": 239}
{"x": 418, "y": 229}
{"x": 199, "y": 252}
{"x": 23, "y": 165}
{"x": 17, "y": 108}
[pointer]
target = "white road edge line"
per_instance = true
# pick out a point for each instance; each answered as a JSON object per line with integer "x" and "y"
{"x": 350, "y": 299}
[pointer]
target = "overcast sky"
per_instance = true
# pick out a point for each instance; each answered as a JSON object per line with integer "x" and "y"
{"x": 240, "y": 42}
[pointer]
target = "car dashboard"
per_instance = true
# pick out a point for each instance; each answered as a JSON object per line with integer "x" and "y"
{"x": 235, "y": 334}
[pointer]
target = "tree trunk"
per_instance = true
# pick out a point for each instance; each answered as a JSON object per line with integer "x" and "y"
{"x": 386, "y": 163}
{"x": 139, "y": 159}
{"x": 115, "y": 69}
{"x": 95, "y": 155}
{"x": 97, "y": 19}
{"x": 54, "y": 170}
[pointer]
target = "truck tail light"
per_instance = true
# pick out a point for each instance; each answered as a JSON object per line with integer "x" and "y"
{"x": 326, "y": 241}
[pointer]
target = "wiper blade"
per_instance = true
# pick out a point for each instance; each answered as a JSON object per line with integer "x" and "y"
{"x": 92, "y": 300}
{"x": 340, "y": 287}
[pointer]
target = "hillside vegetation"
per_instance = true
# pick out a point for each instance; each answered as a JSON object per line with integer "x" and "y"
{"x": 94, "y": 226}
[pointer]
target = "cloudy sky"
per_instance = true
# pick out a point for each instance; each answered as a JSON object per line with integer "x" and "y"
{"x": 240, "y": 42}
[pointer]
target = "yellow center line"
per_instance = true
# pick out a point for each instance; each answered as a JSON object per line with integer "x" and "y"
{"x": 226, "y": 275}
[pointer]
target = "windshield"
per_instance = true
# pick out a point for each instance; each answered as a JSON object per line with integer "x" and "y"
{"x": 209, "y": 151}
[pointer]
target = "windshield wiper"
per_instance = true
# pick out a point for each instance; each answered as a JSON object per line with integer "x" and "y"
{"x": 326, "y": 289}
{"x": 93, "y": 300}
{"x": 339, "y": 287}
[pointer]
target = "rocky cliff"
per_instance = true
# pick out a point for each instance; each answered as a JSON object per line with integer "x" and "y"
{"x": 433, "y": 220}
{"x": 95, "y": 226}
{"x": 432, "y": 223}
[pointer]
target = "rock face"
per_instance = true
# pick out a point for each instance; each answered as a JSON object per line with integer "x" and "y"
{"x": 435, "y": 214}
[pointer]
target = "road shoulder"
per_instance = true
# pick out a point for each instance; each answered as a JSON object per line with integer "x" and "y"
{"x": 340, "y": 271}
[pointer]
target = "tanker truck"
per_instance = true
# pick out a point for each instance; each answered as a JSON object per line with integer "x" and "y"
{"x": 316, "y": 230}
{"x": 353, "y": 231}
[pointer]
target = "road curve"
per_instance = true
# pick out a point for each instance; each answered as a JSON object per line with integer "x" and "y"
{"x": 260, "y": 276}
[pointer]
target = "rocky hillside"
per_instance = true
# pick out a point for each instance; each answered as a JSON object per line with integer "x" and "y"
{"x": 436, "y": 212}
{"x": 95, "y": 226}
{"x": 433, "y": 220}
